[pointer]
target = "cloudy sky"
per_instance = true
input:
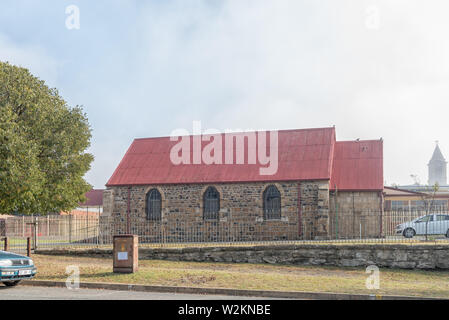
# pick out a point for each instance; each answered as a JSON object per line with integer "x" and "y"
{"x": 144, "y": 68}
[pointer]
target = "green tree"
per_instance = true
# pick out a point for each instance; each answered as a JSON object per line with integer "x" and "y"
{"x": 43, "y": 146}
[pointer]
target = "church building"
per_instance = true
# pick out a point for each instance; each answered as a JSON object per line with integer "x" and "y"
{"x": 316, "y": 178}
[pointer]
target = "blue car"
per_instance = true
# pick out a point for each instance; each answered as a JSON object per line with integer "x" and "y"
{"x": 14, "y": 267}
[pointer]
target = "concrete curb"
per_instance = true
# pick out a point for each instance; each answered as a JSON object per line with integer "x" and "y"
{"x": 222, "y": 291}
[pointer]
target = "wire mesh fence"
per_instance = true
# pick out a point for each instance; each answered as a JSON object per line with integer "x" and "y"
{"x": 95, "y": 231}
{"x": 52, "y": 231}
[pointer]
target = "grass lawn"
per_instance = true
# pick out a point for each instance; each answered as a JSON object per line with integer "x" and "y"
{"x": 249, "y": 276}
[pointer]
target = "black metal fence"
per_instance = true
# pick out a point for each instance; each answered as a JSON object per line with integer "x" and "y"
{"x": 2, "y": 227}
{"x": 359, "y": 227}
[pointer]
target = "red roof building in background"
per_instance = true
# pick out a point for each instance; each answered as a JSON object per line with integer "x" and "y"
{"x": 92, "y": 206}
{"x": 94, "y": 198}
{"x": 304, "y": 154}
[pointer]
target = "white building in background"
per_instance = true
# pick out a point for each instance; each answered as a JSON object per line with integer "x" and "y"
{"x": 437, "y": 168}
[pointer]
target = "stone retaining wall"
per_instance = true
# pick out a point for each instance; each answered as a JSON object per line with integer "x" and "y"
{"x": 391, "y": 256}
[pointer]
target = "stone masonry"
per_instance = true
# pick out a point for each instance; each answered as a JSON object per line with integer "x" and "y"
{"x": 355, "y": 214}
{"x": 381, "y": 255}
{"x": 241, "y": 212}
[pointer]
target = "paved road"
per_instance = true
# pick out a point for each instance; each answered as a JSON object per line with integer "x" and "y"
{"x": 47, "y": 293}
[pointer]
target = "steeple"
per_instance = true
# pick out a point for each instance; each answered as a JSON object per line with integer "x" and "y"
{"x": 437, "y": 168}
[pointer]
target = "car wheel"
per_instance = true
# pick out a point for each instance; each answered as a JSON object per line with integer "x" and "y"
{"x": 409, "y": 233}
{"x": 11, "y": 283}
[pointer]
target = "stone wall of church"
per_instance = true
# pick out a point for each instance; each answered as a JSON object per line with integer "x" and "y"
{"x": 241, "y": 215}
{"x": 355, "y": 214}
{"x": 315, "y": 210}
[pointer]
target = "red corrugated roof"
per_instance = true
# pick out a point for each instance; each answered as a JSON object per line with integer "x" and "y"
{"x": 304, "y": 154}
{"x": 358, "y": 165}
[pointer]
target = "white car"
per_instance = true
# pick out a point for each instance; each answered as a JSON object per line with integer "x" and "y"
{"x": 431, "y": 224}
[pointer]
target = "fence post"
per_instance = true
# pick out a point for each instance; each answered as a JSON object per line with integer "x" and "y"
{"x": 28, "y": 246}
{"x": 87, "y": 225}
{"x": 36, "y": 231}
{"x": 70, "y": 228}
{"x": 97, "y": 229}
{"x": 360, "y": 230}
{"x": 6, "y": 243}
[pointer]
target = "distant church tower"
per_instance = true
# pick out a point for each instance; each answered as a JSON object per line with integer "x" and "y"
{"x": 437, "y": 168}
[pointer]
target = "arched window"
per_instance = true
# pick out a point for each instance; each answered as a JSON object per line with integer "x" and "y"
{"x": 211, "y": 207}
{"x": 271, "y": 203}
{"x": 154, "y": 205}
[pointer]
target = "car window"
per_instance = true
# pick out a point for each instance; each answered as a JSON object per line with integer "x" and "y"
{"x": 442, "y": 217}
{"x": 426, "y": 219}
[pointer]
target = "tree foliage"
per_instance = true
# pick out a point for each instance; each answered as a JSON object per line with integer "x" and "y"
{"x": 43, "y": 146}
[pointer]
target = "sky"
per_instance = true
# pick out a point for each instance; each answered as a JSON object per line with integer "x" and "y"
{"x": 374, "y": 69}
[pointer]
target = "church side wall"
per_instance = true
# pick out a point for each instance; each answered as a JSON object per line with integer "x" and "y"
{"x": 355, "y": 214}
{"x": 241, "y": 212}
